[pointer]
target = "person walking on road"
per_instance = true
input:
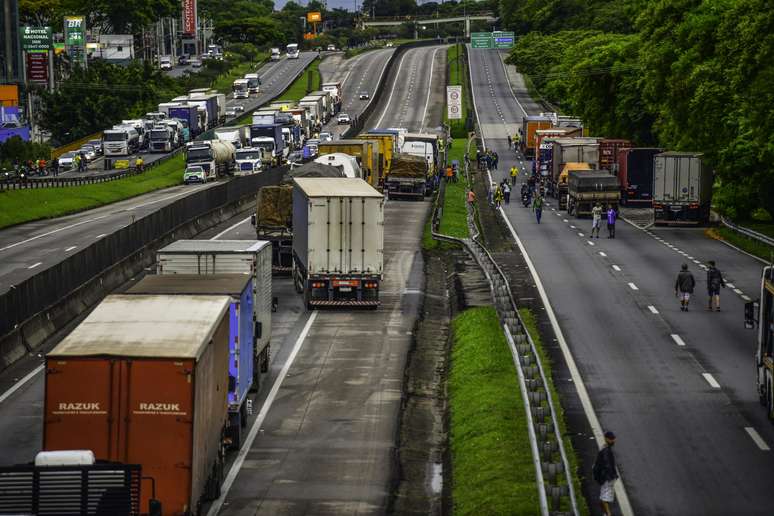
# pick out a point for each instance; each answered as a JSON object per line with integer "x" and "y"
{"x": 714, "y": 282}
{"x": 509, "y": 141}
{"x": 495, "y": 160}
{"x": 684, "y": 286}
{"x": 498, "y": 197}
{"x": 514, "y": 175}
{"x": 507, "y": 192}
{"x": 605, "y": 474}
{"x": 596, "y": 219}
{"x": 611, "y": 217}
{"x": 471, "y": 198}
{"x": 537, "y": 206}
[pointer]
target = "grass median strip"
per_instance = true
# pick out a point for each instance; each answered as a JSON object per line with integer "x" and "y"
{"x": 300, "y": 87}
{"x": 19, "y": 206}
{"x": 492, "y": 467}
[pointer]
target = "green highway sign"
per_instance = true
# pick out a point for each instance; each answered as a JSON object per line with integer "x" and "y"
{"x": 503, "y": 39}
{"x": 481, "y": 40}
{"x": 496, "y": 39}
{"x": 36, "y": 39}
{"x": 75, "y": 38}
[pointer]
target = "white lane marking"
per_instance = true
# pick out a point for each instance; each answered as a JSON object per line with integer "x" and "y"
{"x": 392, "y": 91}
{"x": 757, "y": 439}
{"x": 678, "y": 340}
{"x": 229, "y": 229}
{"x": 52, "y": 232}
{"x": 70, "y": 248}
{"x": 711, "y": 380}
{"x": 101, "y": 235}
{"x": 187, "y": 192}
{"x": 616, "y": 268}
{"x": 652, "y": 309}
{"x": 737, "y": 291}
{"x": 746, "y": 297}
{"x": 581, "y": 234}
{"x": 572, "y": 227}
{"x": 15, "y": 387}
{"x": 565, "y": 220}
{"x": 429, "y": 90}
{"x": 730, "y": 285}
{"x": 35, "y": 265}
{"x": 697, "y": 262}
{"x": 243, "y": 451}
{"x": 633, "y": 286}
{"x": 603, "y": 255}
{"x": 590, "y": 242}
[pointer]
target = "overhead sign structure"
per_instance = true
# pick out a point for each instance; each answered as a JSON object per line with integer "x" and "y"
{"x": 454, "y": 102}
{"x": 503, "y": 39}
{"x": 36, "y": 39}
{"x": 497, "y": 39}
{"x": 189, "y": 16}
{"x": 75, "y": 38}
{"x": 481, "y": 40}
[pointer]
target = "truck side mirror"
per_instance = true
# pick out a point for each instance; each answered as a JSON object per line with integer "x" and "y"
{"x": 750, "y": 309}
{"x": 258, "y": 329}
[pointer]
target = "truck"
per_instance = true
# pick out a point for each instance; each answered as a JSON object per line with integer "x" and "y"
{"x": 386, "y": 150}
{"x": 215, "y": 103}
{"x": 317, "y": 111}
{"x": 334, "y": 88}
{"x": 120, "y": 141}
{"x": 367, "y": 151}
{"x": 181, "y": 127}
{"x": 407, "y": 177}
{"x": 273, "y": 222}
{"x": 682, "y": 188}
{"x": 253, "y": 83}
{"x": 264, "y": 117}
{"x": 246, "y": 257}
{"x": 759, "y": 315}
{"x": 241, "y": 363}
{"x": 241, "y": 89}
{"x": 275, "y": 54}
{"x": 635, "y": 173}
{"x": 338, "y": 242}
{"x": 530, "y": 124}
{"x": 162, "y": 138}
{"x": 156, "y": 395}
{"x": 432, "y": 141}
{"x": 249, "y": 160}
{"x": 562, "y": 182}
{"x": 570, "y": 150}
{"x": 348, "y": 164}
{"x": 269, "y": 138}
{"x": 328, "y": 102}
{"x": 239, "y": 136}
{"x": 197, "y": 121}
{"x": 217, "y": 158}
{"x": 585, "y": 188}
{"x": 608, "y": 153}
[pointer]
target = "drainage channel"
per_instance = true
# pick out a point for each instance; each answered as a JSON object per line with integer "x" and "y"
{"x": 552, "y": 468}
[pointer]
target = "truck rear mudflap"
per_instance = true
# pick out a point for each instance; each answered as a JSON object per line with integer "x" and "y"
{"x": 680, "y": 214}
{"x": 342, "y": 291}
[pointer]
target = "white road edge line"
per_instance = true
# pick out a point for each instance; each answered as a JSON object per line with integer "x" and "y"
{"x": 633, "y": 286}
{"x": 35, "y": 265}
{"x": 70, "y": 248}
{"x": 15, "y": 387}
{"x": 678, "y": 340}
{"x": 230, "y": 228}
{"x": 711, "y": 380}
{"x": 243, "y": 451}
{"x": 429, "y": 90}
{"x": 652, "y": 309}
{"x": 616, "y": 268}
{"x": 730, "y": 285}
{"x": 746, "y": 297}
{"x": 757, "y": 439}
{"x": 602, "y": 254}
{"x": 737, "y": 291}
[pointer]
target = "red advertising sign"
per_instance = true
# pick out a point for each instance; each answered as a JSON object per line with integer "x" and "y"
{"x": 189, "y": 16}
{"x": 37, "y": 67}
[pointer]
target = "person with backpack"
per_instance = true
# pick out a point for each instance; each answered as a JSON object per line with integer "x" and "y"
{"x": 605, "y": 473}
{"x": 684, "y": 286}
{"x": 537, "y": 207}
{"x": 714, "y": 282}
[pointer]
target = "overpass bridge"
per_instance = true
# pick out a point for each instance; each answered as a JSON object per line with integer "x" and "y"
{"x": 417, "y": 20}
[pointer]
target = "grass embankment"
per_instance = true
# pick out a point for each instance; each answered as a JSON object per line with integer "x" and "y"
{"x": 20, "y": 206}
{"x": 301, "y": 86}
{"x": 754, "y": 247}
{"x": 454, "y": 216}
{"x": 530, "y": 323}
{"x": 458, "y": 73}
{"x": 492, "y": 467}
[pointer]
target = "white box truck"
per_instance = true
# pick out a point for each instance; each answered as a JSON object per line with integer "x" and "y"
{"x": 682, "y": 188}
{"x": 338, "y": 241}
{"x": 229, "y": 257}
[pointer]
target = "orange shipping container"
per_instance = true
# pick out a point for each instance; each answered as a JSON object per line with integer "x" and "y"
{"x": 144, "y": 380}
{"x": 530, "y": 124}
{"x": 9, "y": 95}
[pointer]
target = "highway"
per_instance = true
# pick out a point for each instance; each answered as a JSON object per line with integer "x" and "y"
{"x": 366, "y": 71}
{"x": 677, "y": 388}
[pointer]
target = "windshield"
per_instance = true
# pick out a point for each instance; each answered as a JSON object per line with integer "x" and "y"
{"x": 267, "y": 146}
{"x": 253, "y": 82}
{"x": 194, "y": 170}
{"x": 262, "y": 131}
{"x": 201, "y": 153}
{"x": 241, "y": 86}
{"x": 251, "y": 154}
{"x": 114, "y": 137}
{"x": 159, "y": 134}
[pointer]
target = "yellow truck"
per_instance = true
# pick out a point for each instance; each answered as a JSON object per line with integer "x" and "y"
{"x": 562, "y": 183}
{"x": 367, "y": 152}
{"x": 386, "y": 150}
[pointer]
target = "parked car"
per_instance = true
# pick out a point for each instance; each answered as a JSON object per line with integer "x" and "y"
{"x": 239, "y": 108}
{"x": 195, "y": 62}
{"x": 231, "y": 112}
{"x": 343, "y": 118}
{"x": 326, "y": 137}
{"x": 364, "y": 95}
{"x": 89, "y": 152}
{"x": 66, "y": 160}
{"x": 97, "y": 144}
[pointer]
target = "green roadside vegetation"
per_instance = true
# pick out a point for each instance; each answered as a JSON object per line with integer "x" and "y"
{"x": 754, "y": 247}
{"x": 530, "y": 323}
{"x": 458, "y": 72}
{"x": 303, "y": 84}
{"x": 492, "y": 469}
{"x": 21, "y": 206}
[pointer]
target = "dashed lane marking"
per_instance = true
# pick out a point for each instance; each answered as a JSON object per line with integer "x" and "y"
{"x": 616, "y": 268}
{"x": 602, "y": 254}
{"x": 35, "y": 265}
{"x": 652, "y": 309}
{"x": 746, "y": 297}
{"x": 633, "y": 286}
{"x": 70, "y": 248}
{"x": 730, "y": 285}
{"x": 678, "y": 340}
{"x": 590, "y": 242}
{"x": 757, "y": 439}
{"x": 737, "y": 291}
{"x": 711, "y": 380}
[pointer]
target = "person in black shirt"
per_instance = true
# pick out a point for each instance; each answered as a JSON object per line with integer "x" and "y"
{"x": 605, "y": 473}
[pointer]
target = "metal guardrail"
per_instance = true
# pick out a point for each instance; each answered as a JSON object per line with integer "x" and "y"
{"x": 545, "y": 438}
{"x": 749, "y": 233}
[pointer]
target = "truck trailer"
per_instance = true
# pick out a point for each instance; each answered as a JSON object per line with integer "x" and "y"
{"x": 682, "y": 188}
{"x": 143, "y": 380}
{"x": 407, "y": 178}
{"x": 216, "y": 157}
{"x": 759, "y": 315}
{"x": 635, "y": 173}
{"x": 241, "y": 345}
{"x": 248, "y": 257}
{"x": 338, "y": 242}
{"x": 585, "y": 188}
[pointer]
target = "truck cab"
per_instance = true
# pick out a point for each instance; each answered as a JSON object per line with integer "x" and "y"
{"x": 249, "y": 160}
{"x": 275, "y": 54}
{"x": 161, "y": 138}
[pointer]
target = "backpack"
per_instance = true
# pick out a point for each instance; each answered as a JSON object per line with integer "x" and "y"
{"x": 598, "y": 470}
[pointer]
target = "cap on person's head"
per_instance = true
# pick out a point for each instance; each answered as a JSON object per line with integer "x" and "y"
{"x": 684, "y": 267}
{"x": 609, "y": 435}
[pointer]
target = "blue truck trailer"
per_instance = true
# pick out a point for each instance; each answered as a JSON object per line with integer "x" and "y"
{"x": 190, "y": 114}
{"x": 242, "y": 334}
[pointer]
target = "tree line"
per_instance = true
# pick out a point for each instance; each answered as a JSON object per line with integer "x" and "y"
{"x": 689, "y": 75}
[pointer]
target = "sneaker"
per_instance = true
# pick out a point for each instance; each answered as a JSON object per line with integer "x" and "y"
{"x": 717, "y": 309}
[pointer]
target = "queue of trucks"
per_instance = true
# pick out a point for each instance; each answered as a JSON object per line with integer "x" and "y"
{"x": 577, "y": 170}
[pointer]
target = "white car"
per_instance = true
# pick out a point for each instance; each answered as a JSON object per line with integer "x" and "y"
{"x": 331, "y": 48}
{"x": 326, "y": 137}
{"x": 66, "y": 160}
{"x": 231, "y": 112}
{"x": 343, "y": 118}
{"x": 364, "y": 95}
{"x": 194, "y": 174}
{"x": 239, "y": 108}
{"x": 165, "y": 63}
{"x": 195, "y": 62}
{"x": 89, "y": 152}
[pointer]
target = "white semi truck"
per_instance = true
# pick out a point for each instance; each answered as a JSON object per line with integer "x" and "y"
{"x": 216, "y": 158}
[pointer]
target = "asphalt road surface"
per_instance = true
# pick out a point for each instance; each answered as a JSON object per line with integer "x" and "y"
{"x": 677, "y": 388}
{"x": 362, "y": 73}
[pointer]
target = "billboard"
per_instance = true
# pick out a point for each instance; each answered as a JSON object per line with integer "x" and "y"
{"x": 37, "y": 67}
{"x": 36, "y": 39}
{"x": 314, "y": 17}
{"x": 75, "y": 38}
{"x": 189, "y": 16}
{"x": 454, "y": 102}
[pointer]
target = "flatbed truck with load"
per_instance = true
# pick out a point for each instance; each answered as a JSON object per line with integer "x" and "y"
{"x": 585, "y": 188}
{"x": 407, "y": 177}
{"x": 156, "y": 395}
{"x": 682, "y": 188}
{"x": 338, "y": 242}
